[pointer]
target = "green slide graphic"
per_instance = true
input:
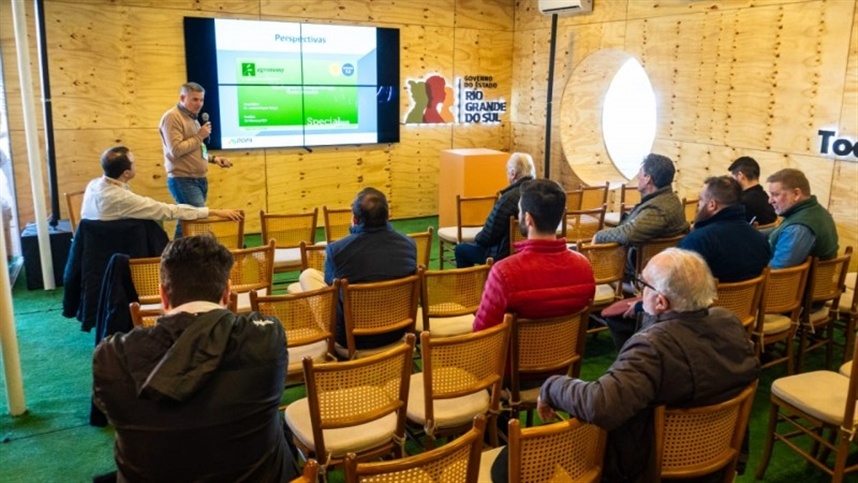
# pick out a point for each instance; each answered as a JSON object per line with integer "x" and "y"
{"x": 268, "y": 71}
{"x": 279, "y": 106}
{"x": 331, "y": 107}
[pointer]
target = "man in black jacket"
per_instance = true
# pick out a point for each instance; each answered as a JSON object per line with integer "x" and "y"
{"x": 493, "y": 240}
{"x": 746, "y": 171}
{"x": 195, "y": 398}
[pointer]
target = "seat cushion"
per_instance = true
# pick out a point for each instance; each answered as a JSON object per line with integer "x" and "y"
{"x": 487, "y": 459}
{"x": 776, "y": 323}
{"x": 820, "y": 315}
{"x": 451, "y": 233}
{"x": 361, "y": 353}
{"x": 846, "y": 369}
{"x": 821, "y": 394}
{"x": 448, "y": 412}
{"x": 446, "y": 326}
{"x": 317, "y": 350}
{"x": 287, "y": 259}
{"x": 604, "y": 294}
{"x": 612, "y": 219}
{"x": 294, "y": 287}
{"x": 341, "y": 440}
{"x": 243, "y": 304}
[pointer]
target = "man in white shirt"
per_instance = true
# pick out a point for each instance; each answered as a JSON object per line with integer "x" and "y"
{"x": 110, "y": 198}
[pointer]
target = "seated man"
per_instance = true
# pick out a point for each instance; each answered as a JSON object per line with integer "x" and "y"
{"x": 493, "y": 239}
{"x": 686, "y": 355}
{"x": 196, "y": 397}
{"x": 807, "y": 229}
{"x": 659, "y": 214}
{"x": 544, "y": 278}
{"x": 372, "y": 253}
{"x": 110, "y": 198}
{"x": 746, "y": 171}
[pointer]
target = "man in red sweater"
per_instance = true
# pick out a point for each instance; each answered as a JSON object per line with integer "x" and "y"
{"x": 544, "y": 278}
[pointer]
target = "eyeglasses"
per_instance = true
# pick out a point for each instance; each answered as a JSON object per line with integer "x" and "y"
{"x": 643, "y": 283}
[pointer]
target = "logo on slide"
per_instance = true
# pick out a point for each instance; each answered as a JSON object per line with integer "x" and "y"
{"x": 348, "y": 70}
{"x": 248, "y": 69}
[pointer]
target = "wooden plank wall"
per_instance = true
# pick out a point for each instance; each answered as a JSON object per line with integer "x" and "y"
{"x": 731, "y": 78}
{"x": 116, "y": 66}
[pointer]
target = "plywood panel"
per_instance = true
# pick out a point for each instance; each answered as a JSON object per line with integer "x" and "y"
{"x": 417, "y": 167}
{"x": 843, "y": 207}
{"x": 528, "y": 16}
{"x": 438, "y": 13}
{"x": 660, "y": 8}
{"x": 849, "y": 109}
{"x": 485, "y": 14}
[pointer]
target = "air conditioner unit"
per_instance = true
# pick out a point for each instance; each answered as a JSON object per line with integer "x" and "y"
{"x": 565, "y": 7}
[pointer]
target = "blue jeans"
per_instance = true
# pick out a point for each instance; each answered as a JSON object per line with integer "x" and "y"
{"x": 188, "y": 191}
{"x": 470, "y": 254}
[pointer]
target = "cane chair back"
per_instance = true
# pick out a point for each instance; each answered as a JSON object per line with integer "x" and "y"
{"x": 310, "y": 473}
{"x": 826, "y": 283}
{"x": 456, "y": 461}
{"x": 141, "y": 317}
{"x": 252, "y": 271}
{"x": 515, "y": 234}
{"x": 74, "y": 203}
{"x": 609, "y": 264}
{"x": 471, "y": 214}
{"x": 450, "y": 298}
{"x": 698, "y": 441}
{"x": 742, "y": 298}
{"x": 645, "y": 251}
{"x": 146, "y": 277}
{"x": 818, "y": 408}
{"x": 378, "y": 308}
{"x": 847, "y": 314}
{"x": 569, "y": 450}
{"x": 313, "y": 256}
{"x": 581, "y": 225}
{"x": 230, "y": 233}
{"x": 573, "y": 200}
{"x": 537, "y": 351}
{"x": 288, "y": 231}
{"x": 353, "y": 407}
{"x": 308, "y": 318}
{"x": 452, "y": 389}
{"x": 690, "y": 207}
{"x": 423, "y": 240}
{"x": 338, "y": 223}
{"x": 593, "y": 197}
{"x": 783, "y": 293}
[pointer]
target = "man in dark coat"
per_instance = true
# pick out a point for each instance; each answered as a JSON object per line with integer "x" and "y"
{"x": 746, "y": 171}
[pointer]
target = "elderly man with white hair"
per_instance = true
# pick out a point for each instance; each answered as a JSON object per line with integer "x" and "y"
{"x": 686, "y": 354}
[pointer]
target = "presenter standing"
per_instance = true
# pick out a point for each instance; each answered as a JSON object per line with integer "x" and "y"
{"x": 185, "y": 147}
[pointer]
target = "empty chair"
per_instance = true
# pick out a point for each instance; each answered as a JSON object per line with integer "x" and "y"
{"x": 593, "y": 197}
{"x": 581, "y": 225}
{"x": 450, "y": 298}
{"x": 609, "y": 264}
{"x": 377, "y": 309}
{"x": 230, "y": 233}
{"x": 457, "y": 461}
{"x": 353, "y": 407}
{"x": 288, "y": 231}
{"x": 338, "y": 223}
{"x": 743, "y": 298}
{"x": 308, "y": 319}
{"x": 461, "y": 379}
{"x": 698, "y": 441}
{"x": 847, "y": 314}
{"x": 629, "y": 197}
{"x": 807, "y": 406}
{"x": 423, "y": 240}
{"x": 573, "y": 200}
{"x": 471, "y": 214}
{"x": 252, "y": 271}
{"x": 74, "y": 203}
{"x": 569, "y": 450}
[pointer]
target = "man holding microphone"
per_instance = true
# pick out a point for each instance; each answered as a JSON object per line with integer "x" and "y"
{"x": 186, "y": 154}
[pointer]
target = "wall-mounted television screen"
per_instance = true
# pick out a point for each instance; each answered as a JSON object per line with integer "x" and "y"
{"x": 282, "y": 84}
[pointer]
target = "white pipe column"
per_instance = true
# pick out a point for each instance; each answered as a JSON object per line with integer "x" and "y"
{"x": 34, "y": 153}
{"x": 9, "y": 338}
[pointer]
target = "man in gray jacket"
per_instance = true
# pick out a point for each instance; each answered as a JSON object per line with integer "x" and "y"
{"x": 686, "y": 355}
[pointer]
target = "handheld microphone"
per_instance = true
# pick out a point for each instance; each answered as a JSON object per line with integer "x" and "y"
{"x": 205, "y": 117}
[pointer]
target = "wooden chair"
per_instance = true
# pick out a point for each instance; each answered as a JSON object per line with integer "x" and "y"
{"x": 698, "y": 441}
{"x": 338, "y": 223}
{"x": 353, "y": 407}
{"x": 768, "y": 226}
{"x": 690, "y": 207}
{"x": 783, "y": 293}
{"x": 310, "y": 474}
{"x": 592, "y": 197}
{"x": 288, "y": 231}
{"x": 471, "y": 214}
{"x": 424, "y": 245}
{"x": 609, "y": 264}
{"x": 141, "y": 317}
{"x": 743, "y": 298}
{"x": 230, "y": 233}
{"x": 629, "y": 197}
{"x": 312, "y": 256}
{"x": 826, "y": 283}
{"x": 809, "y": 405}
{"x": 461, "y": 379}
{"x": 540, "y": 348}
{"x": 308, "y": 319}
{"x": 645, "y": 251}
{"x": 252, "y": 271}
{"x": 377, "y": 308}
{"x": 581, "y": 225}
{"x": 74, "y": 203}
{"x": 449, "y": 299}
{"x": 847, "y": 314}
{"x": 569, "y": 450}
{"x": 573, "y": 200}
{"x": 146, "y": 278}
{"x": 456, "y": 461}
{"x": 515, "y": 235}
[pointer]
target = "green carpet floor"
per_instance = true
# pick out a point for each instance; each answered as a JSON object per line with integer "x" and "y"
{"x": 53, "y": 441}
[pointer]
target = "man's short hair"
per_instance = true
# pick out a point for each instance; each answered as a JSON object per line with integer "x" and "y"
{"x": 522, "y": 164}
{"x": 790, "y": 179}
{"x": 189, "y": 87}
{"x": 370, "y": 208}
{"x": 545, "y": 200}
{"x": 115, "y": 161}
{"x": 685, "y": 279}
{"x": 660, "y": 168}
{"x": 747, "y": 166}
{"x": 725, "y": 190}
{"x": 195, "y": 268}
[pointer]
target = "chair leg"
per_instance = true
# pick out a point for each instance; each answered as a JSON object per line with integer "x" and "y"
{"x": 840, "y": 457}
{"x": 802, "y": 347}
{"x": 850, "y": 337}
{"x": 829, "y": 344}
{"x": 770, "y": 441}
